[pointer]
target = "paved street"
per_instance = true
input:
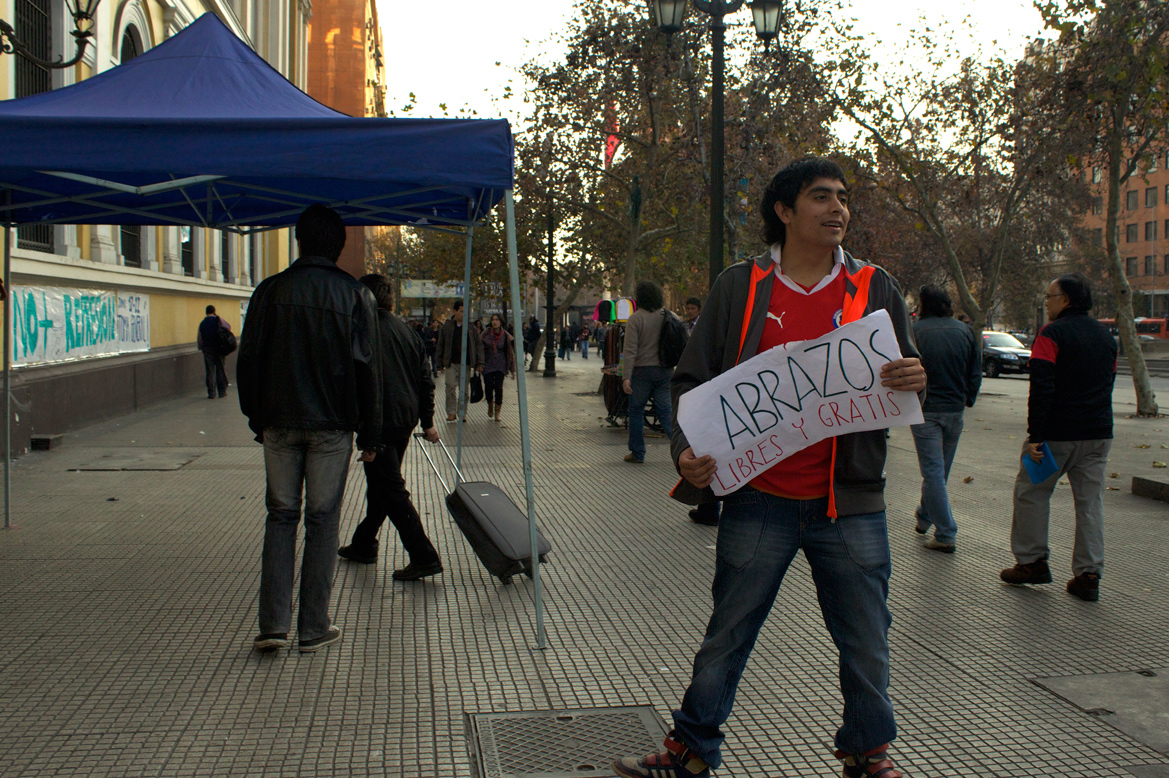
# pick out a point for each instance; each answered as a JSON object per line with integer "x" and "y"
{"x": 128, "y": 598}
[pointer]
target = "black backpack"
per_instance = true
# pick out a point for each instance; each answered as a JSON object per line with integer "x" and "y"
{"x": 224, "y": 341}
{"x": 672, "y": 342}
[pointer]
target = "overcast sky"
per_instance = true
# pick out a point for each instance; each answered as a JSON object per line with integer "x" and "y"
{"x": 446, "y": 51}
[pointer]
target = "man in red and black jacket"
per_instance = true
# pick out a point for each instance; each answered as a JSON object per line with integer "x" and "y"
{"x": 1073, "y": 369}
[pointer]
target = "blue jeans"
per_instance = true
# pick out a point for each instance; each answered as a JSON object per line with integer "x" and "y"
{"x": 758, "y": 536}
{"x": 584, "y": 349}
{"x": 936, "y": 440}
{"x": 648, "y": 382}
{"x": 316, "y": 461}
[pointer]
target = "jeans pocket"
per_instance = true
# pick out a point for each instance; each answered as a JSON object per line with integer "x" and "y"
{"x": 866, "y": 540}
{"x": 740, "y": 529}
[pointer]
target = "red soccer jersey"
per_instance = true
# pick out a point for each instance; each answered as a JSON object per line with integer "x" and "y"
{"x": 796, "y": 313}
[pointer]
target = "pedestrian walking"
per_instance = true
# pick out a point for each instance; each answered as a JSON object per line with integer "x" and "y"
{"x": 208, "y": 340}
{"x": 826, "y": 500}
{"x": 706, "y": 513}
{"x": 430, "y": 339}
{"x": 450, "y": 355}
{"x": 953, "y": 369}
{"x": 407, "y": 402}
{"x": 583, "y": 338}
{"x": 566, "y": 343}
{"x": 1073, "y": 369}
{"x": 308, "y": 379}
{"x": 498, "y": 360}
{"x": 645, "y": 377}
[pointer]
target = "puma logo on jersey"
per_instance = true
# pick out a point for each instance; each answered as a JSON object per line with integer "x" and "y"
{"x": 778, "y": 319}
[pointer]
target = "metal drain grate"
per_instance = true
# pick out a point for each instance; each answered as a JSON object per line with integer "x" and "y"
{"x": 562, "y": 744}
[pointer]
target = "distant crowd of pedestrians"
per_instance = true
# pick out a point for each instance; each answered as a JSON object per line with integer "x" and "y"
{"x": 322, "y": 356}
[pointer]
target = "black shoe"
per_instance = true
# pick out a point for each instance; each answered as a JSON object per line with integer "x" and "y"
{"x": 697, "y": 515}
{"x": 316, "y": 644}
{"x": 270, "y": 641}
{"x": 413, "y": 571}
{"x": 1033, "y": 573}
{"x": 362, "y": 556}
{"x": 1086, "y": 587}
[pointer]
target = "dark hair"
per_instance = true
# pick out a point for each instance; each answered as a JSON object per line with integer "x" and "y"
{"x": 933, "y": 300}
{"x": 1078, "y": 289}
{"x": 648, "y": 296}
{"x": 320, "y": 232}
{"x": 210, "y": 309}
{"x": 786, "y": 186}
{"x": 458, "y": 304}
{"x": 695, "y": 302}
{"x": 382, "y": 292}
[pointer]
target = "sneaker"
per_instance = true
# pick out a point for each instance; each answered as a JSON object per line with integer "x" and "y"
{"x": 316, "y": 644}
{"x": 270, "y": 641}
{"x": 677, "y": 761}
{"x": 1031, "y": 573}
{"x": 1086, "y": 587}
{"x": 937, "y": 545}
{"x": 414, "y": 571}
{"x": 362, "y": 556}
{"x": 630, "y": 457}
{"x": 874, "y": 764}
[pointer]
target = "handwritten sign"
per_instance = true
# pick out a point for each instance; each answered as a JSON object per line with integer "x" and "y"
{"x": 51, "y": 324}
{"x": 787, "y": 398}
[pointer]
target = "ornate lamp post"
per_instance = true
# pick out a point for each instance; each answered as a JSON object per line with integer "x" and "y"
{"x": 767, "y": 16}
{"x": 82, "y": 12}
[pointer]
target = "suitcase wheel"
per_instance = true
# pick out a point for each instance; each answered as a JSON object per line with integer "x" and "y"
{"x": 505, "y": 579}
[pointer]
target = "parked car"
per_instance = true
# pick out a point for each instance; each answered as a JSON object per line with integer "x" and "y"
{"x": 1003, "y": 353}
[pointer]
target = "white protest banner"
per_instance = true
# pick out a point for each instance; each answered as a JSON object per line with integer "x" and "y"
{"x": 789, "y": 397}
{"x": 133, "y": 322}
{"x": 51, "y": 324}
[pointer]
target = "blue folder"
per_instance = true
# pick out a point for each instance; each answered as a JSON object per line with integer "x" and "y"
{"x": 1040, "y": 471}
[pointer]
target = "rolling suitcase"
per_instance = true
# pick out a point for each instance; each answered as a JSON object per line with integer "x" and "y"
{"x": 494, "y": 526}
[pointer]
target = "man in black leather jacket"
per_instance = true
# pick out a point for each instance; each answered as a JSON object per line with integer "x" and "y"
{"x": 308, "y": 379}
{"x": 407, "y": 401}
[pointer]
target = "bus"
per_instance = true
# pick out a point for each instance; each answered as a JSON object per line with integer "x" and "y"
{"x": 1147, "y": 329}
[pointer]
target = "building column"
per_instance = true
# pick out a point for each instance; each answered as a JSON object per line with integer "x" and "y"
{"x": 149, "y": 248}
{"x": 172, "y": 251}
{"x": 102, "y": 246}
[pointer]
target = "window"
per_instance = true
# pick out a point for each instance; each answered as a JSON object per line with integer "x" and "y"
{"x": 1150, "y": 230}
{"x": 1097, "y": 206}
{"x": 131, "y": 245}
{"x": 1130, "y": 266}
{"x": 131, "y": 44}
{"x": 1153, "y": 164}
{"x": 188, "y": 252}
{"x": 253, "y": 249}
{"x": 1151, "y": 197}
{"x": 1131, "y": 199}
{"x": 1149, "y": 268}
{"x": 1130, "y": 233}
{"x": 1166, "y": 270}
{"x": 224, "y": 252}
{"x": 34, "y": 23}
{"x": 1098, "y": 237}
{"x": 1096, "y": 175}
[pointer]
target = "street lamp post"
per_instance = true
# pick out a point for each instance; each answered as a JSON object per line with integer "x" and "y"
{"x": 82, "y": 12}
{"x": 767, "y": 16}
{"x": 549, "y": 347}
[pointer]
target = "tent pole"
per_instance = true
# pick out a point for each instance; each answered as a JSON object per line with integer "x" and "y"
{"x": 463, "y": 404}
{"x": 8, "y": 373}
{"x": 525, "y": 436}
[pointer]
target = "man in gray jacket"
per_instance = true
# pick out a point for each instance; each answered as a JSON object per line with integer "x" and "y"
{"x": 825, "y": 500}
{"x": 450, "y": 355}
{"x": 952, "y": 363}
{"x": 645, "y": 378}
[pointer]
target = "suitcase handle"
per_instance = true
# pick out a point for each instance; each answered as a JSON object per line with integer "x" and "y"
{"x": 422, "y": 436}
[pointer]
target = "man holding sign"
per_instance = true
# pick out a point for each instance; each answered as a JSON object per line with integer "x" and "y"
{"x": 805, "y": 427}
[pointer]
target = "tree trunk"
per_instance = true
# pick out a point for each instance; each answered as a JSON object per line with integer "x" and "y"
{"x": 573, "y": 293}
{"x": 1121, "y": 291}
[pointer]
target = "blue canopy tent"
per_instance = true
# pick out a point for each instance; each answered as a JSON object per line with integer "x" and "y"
{"x": 201, "y": 132}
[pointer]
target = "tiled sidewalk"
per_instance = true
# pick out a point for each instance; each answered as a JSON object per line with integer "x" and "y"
{"x": 128, "y": 599}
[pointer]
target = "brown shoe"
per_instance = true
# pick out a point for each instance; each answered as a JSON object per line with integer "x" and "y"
{"x": 631, "y": 458}
{"x": 1086, "y": 587}
{"x": 1032, "y": 573}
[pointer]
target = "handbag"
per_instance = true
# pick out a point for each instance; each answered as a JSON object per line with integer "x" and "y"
{"x": 476, "y": 388}
{"x": 225, "y": 342}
